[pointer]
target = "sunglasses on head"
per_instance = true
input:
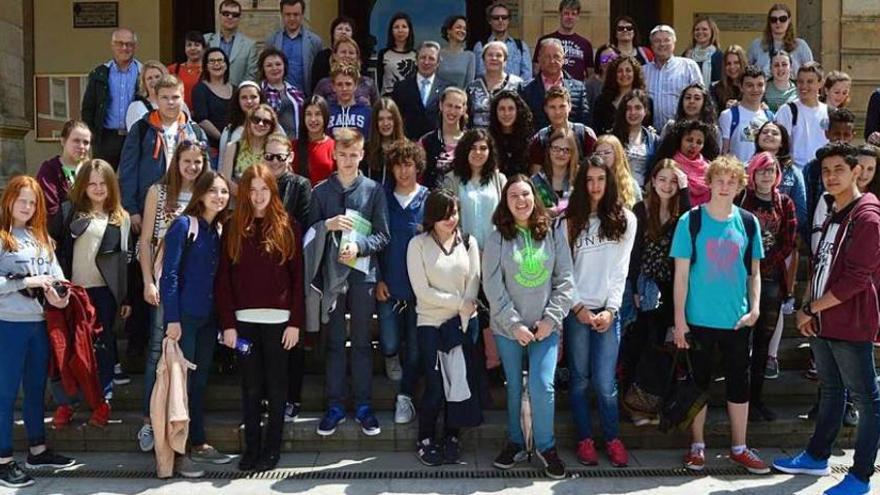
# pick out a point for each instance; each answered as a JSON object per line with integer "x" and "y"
{"x": 189, "y": 143}
{"x": 625, "y": 28}
{"x": 607, "y": 58}
{"x": 276, "y": 157}
{"x": 781, "y": 19}
{"x": 261, "y": 121}
{"x": 229, "y": 13}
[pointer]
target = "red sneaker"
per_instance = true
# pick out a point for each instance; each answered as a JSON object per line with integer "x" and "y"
{"x": 101, "y": 415}
{"x": 695, "y": 460}
{"x": 749, "y": 459}
{"x": 586, "y": 452}
{"x": 617, "y": 453}
{"x": 62, "y": 417}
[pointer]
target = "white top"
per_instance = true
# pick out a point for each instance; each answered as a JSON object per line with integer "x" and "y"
{"x": 665, "y": 84}
{"x": 405, "y": 199}
{"x": 229, "y": 136}
{"x": 742, "y": 139}
{"x": 809, "y": 134}
{"x": 85, "y": 248}
{"x": 266, "y": 316}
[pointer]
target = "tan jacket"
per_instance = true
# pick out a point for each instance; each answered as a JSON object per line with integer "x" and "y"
{"x": 169, "y": 411}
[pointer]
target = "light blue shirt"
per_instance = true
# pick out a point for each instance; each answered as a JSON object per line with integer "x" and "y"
{"x": 226, "y": 46}
{"x": 519, "y": 62}
{"x": 666, "y": 83}
{"x": 293, "y": 50}
{"x": 122, "y": 88}
{"x": 478, "y": 202}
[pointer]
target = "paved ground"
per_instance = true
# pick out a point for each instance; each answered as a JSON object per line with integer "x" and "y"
{"x": 114, "y": 466}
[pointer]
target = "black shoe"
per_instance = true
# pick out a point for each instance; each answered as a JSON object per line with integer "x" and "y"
{"x": 267, "y": 462}
{"x": 758, "y": 411}
{"x": 553, "y": 466}
{"x": 48, "y": 459}
{"x": 13, "y": 477}
{"x": 451, "y": 450}
{"x": 755, "y": 416}
{"x": 850, "y": 416}
{"x": 510, "y": 455}
{"x": 769, "y": 414}
{"x": 811, "y": 414}
{"x": 248, "y": 461}
{"x": 429, "y": 453}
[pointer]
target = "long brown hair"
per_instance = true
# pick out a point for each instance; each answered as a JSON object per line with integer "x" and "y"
{"x": 374, "y": 145}
{"x": 612, "y": 219}
{"x": 788, "y": 43}
{"x": 655, "y": 228}
{"x": 173, "y": 180}
{"x": 567, "y": 135}
{"x": 201, "y": 187}
{"x": 79, "y": 198}
{"x": 37, "y": 223}
{"x": 727, "y": 88}
{"x": 277, "y": 235}
{"x": 539, "y": 220}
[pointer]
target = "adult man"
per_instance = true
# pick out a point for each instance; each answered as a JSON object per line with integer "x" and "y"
{"x": 150, "y": 146}
{"x": 519, "y": 61}
{"x": 418, "y": 96}
{"x": 111, "y": 87}
{"x": 740, "y": 123}
{"x": 578, "y": 50}
{"x": 299, "y": 44}
{"x": 841, "y": 318}
{"x": 551, "y": 58}
{"x": 239, "y": 49}
{"x": 668, "y": 75}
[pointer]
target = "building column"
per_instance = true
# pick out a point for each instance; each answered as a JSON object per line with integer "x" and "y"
{"x": 14, "y": 85}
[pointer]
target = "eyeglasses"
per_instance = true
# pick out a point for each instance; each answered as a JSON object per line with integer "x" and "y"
{"x": 766, "y": 171}
{"x": 500, "y": 17}
{"x": 562, "y": 150}
{"x": 625, "y": 29}
{"x": 260, "y": 121}
{"x": 229, "y": 13}
{"x": 276, "y": 157}
{"x": 781, "y": 19}
{"x": 125, "y": 44}
{"x": 216, "y": 61}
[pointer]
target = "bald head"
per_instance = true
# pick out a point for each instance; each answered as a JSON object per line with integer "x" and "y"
{"x": 123, "y": 43}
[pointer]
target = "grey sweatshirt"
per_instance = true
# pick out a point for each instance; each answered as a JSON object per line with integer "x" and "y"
{"x": 28, "y": 261}
{"x": 527, "y": 281}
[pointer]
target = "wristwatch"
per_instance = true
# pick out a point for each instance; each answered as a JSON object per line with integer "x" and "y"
{"x": 807, "y": 310}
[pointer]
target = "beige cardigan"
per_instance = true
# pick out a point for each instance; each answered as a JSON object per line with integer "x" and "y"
{"x": 169, "y": 407}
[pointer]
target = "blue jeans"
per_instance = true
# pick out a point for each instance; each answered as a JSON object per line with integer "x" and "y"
{"x": 197, "y": 342}
{"x": 846, "y": 366}
{"x": 359, "y": 301}
{"x": 396, "y": 327}
{"x": 154, "y": 352}
{"x": 24, "y": 361}
{"x": 592, "y": 359}
{"x": 542, "y": 368}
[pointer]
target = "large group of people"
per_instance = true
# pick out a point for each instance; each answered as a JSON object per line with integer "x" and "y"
{"x": 555, "y": 207}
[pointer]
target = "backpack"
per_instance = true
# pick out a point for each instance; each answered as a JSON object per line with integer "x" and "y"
{"x": 734, "y": 118}
{"x": 191, "y": 236}
{"x": 794, "y": 114}
{"x": 695, "y": 221}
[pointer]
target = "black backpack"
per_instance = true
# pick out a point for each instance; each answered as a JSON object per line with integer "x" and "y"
{"x": 695, "y": 221}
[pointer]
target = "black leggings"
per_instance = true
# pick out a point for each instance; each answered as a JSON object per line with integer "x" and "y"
{"x": 734, "y": 348}
{"x": 762, "y": 334}
{"x": 263, "y": 371}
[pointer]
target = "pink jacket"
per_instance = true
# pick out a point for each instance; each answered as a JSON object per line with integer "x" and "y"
{"x": 169, "y": 411}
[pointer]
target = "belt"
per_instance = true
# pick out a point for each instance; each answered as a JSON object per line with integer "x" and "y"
{"x": 119, "y": 132}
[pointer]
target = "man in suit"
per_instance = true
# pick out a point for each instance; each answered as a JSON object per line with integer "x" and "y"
{"x": 239, "y": 49}
{"x": 418, "y": 97}
{"x": 299, "y": 44}
{"x": 551, "y": 58}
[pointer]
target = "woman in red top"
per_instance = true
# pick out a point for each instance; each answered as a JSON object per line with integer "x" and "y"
{"x": 259, "y": 293}
{"x": 313, "y": 152}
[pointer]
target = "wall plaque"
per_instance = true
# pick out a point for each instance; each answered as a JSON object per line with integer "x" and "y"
{"x": 736, "y": 22}
{"x": 95, "y": 15}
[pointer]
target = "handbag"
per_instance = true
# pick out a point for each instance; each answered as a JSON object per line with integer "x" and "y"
{"x": 684, "y": 398}
{"x": 637, "y": 399}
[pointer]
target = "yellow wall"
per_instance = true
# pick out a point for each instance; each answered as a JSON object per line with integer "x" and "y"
{"x": 683, "y": 18}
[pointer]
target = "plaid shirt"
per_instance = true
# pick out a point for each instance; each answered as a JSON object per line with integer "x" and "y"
{"x": 778, "y": 232}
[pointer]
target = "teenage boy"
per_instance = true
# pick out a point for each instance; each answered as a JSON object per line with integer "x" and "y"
{"x": 841, "y": 318}
{"x": 519, "y": 61}
{"x": 557, "y": 107}
{"x": 239, "y": 49}
{"x": 347, "y": 111}
{"x": 330, "y": 255}
{"x": 716, "y": 296}
{"x": 740, "y": 123}
{"x": 396, "y": 299}
{"x": 578, "y": 50}
{"x": 805, "y": 119}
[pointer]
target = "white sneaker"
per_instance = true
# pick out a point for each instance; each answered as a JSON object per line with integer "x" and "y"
{"x": 393, "y": 369}
{"x": 404, "y": 411}
{"x": 145, "y": 438}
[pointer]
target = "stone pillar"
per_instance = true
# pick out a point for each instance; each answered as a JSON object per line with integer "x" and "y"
{"x": 14, "y": 122}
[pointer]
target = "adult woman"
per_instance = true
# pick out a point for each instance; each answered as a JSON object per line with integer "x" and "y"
{"x": 527, "y": 281}
{"x": 510, "y": 124}
{"x": 553, "y": 183}
{"x": 780, "y": 88}
{"x": 476, "y": 182}
{"x": 457, "y": 64}
{"x": 444, "y": 269}
{"x": 56, "y": 174}
{"x": 600, "y": 231}
{"x": 687, "y": 145}
{"x": 626, "y": 38}
{"x": 146, "y": 100}
{"x": 313, "y": 151}
{"x": 188, "y": 269}
{"x": 260, "y": 298}
{"x": 836, "y": 89}
{"x": 440, "y": 143}
{"x": 696, "y": 104}
{"x": 610, "y": 150}
{"x": 248, "y": 151}
{"x": 165, "y": 201}
{"x": 245, "y": 98}
{"x": 727, "y": 91}
{"x": 190, "y": 70}
{"x": 211, "y": 98}
{"x": 397, "y": 60}
{"x": 776, "y": 214}
{"x": 340, "y": 27}
{"x": 347, "y": 51}
{"x": 779, "y": 35}
{"x": 29, "y": 271}
{"x": 625, "y": 75}
{"x": 594, "y": 84}
{"x": 482, "y": 89}
{"x": 93, "y": 239}
{"x": 639, "y": 141}
{"x": 705, "y": 49}
{"x": 386, "y": 129}
{"x": 285, "y": 99}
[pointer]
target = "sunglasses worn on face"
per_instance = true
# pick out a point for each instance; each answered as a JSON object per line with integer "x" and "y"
{"x": 258, "y": 121}
{"x": 500, "y": 17}
{"x": 780, "y": 19}
{"x": 227, "y": 13}
{"x": 276, "y": 157}
{"x": 624, "y": 29}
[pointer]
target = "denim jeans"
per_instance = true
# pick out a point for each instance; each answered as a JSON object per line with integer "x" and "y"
{"x": 397, "y": 325}
{"x": 197, "y": 342}
{"x": 542, "y": 368}
{"x": 154, "y": 352}
{"x": 359, "y": 301}
{"x": 592, "y": 360}
{"x": 24, "y": 362}
{"x": 846, "y": 366}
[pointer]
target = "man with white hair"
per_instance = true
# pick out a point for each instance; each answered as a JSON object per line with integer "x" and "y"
{"x": 668, "y": 75}
{"x": 551, "y": 59}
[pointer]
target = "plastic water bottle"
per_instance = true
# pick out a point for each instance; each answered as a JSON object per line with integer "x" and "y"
{"x": 242, "y": 345}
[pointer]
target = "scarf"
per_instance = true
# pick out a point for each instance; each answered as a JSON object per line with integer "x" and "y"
{"x": 183, "y": 132}
{"x": 703, "y": 56}
{"x": 696, "y": 176}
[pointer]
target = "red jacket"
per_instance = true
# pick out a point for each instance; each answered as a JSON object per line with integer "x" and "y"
{"x": 71, "y": 336}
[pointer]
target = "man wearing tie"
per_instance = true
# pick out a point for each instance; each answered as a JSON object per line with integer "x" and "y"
{"x": 418, "y": 96}
{"x": 241, "y": 50}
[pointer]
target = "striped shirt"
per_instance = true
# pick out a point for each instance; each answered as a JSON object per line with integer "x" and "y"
{"x": 666, "y": 83}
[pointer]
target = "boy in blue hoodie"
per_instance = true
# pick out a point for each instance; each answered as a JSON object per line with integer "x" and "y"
{"x": 346, "y": 111}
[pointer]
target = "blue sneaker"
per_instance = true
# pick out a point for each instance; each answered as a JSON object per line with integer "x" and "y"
{"x": 367, "y": 420}
{"x": 331, "y": 419}
{"x": 802, "y": 463}
{"x": 849, "y": 486}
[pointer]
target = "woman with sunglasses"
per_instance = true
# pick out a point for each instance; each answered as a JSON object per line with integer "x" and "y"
{"x": 779, "y": 35}
{"x": 245, "y": 98}
{"x": 248, "y": 151}
{"x": 594, "y": 84}
{"x": 626, "y": 39}
{"x": 211, "y": 97}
